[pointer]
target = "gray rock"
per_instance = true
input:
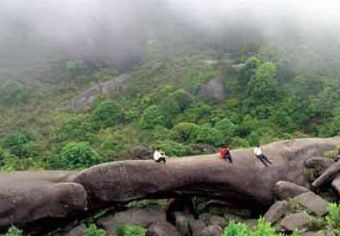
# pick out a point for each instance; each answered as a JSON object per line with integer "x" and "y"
{"x": 162, "y": 229}
{"x": 77, "y": 231}
{"x": 143, "y": 217}
{"x": 276, "y": 211}
{"x": 311, "y": 233}
{"x": 212, "y": 230}
{"x": 214, "y": 89}
{"x": 313, "y": 202}
{"x": 196, "y": 227}
{"x": 141, "y": 153}
{"x": 182, "y": 221}
{"x": 336, "y": 183}
{"x": 27, "y": 202}
{"x": 284, "y": 190}
{"x": 320, "y": 164}
{"x": 216, "y": 220}
{"x": 295, "y": 221}
{"x": 327, "y": 176}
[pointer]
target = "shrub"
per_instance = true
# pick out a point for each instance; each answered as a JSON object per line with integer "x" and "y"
{"x": 333, "y": 218}
{"x": 13, "y": 231}
{"x": 226, "y": 127}
{"x": 79, "y": 155}
{"x": 185, "y": 132}
{"x": 106, "y": 114}
{"x": 210, "y": 136}
{"x": 130, "y": 230}
{"x": 183, "y": 98}
{"x": 171, "y": 148}
{"x": 151, "y": 117}
{"x": 93, "y": 230}
{"x": 74, "y": 129}
{"x": 12, "y": 93}
{"x": 236, "y": 229}
{"x": 20, "y": 145}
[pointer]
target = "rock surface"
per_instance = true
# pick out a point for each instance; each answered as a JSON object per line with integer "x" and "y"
{"x": 313, "y": 202}
{"x": 143, "y": 217}
{"x": 246, "y": 182}
{"x": 30, "y": 196}
{"x": 22, "y": 203}
{"x": 213, "y": 89}
{"x": 320, "y": 164}
{"x": 162, "y": 229}
{"x": 212, "y": 230}
{"x": 328, "y": 175}
{"x": 295, "y": 221}
{"x": 284, "y": 190}
{"x": 336, "y": 183}
{"x": 276, "y": 211}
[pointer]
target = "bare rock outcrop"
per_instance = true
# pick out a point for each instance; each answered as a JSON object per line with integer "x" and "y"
{"x": 245, "y": 182}
{"x": 284, "y": 190}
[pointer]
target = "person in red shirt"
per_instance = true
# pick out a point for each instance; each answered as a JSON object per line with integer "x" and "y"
{"x": 225, "y": 153}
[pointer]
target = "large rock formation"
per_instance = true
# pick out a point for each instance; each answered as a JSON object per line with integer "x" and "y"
{"x": 245, "y": 182}
{"x": 26, "y": 197}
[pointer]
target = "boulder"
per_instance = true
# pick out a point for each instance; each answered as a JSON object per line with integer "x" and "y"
{"x": 77, "y": 231}
{"x": 276, "y": 211}
{"x": 311, "y": 233}
{"x": 141, "y": 153}
{"x": 214, "y": 89}
{"x": 196, "y": 227}
{"x": 328, "y": 175}
{"x": 246, "y": 182}
{"x": 162, "y": 229}
{"x": 336, "y": 183}
{"x": 284, "y": 190}
{"x": 27, "y": 202}
{"x": 295, "y": 221}
{"x": 143, "y": 217}
{"x": 212, "y": 230}
{"x": 182, "y": 221}
{"x": 320, "y": 164}
{"x": 313, "y": 202}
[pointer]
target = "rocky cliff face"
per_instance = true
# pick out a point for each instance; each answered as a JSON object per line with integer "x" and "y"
{"x": 27, "y": 197}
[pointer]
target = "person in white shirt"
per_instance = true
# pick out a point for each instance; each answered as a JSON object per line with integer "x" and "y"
{"x": 263, "y": 158}
{"x": 159, "y": 156}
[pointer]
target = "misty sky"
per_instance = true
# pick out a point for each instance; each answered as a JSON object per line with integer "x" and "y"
{"x": 37, "y": 30}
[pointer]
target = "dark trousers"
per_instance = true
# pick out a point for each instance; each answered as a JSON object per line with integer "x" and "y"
{"x": 228, "y": 156}
{"x": 161, "y": 160}
{"x": 265, "y": 161}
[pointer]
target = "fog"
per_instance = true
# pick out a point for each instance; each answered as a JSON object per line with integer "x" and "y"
{"x": 33, "y": 32}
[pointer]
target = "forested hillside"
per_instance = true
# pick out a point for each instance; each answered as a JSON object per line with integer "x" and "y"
{"x": 185, "y": 102}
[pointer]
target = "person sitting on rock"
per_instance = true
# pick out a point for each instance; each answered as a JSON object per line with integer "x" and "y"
{"x": 159, "y": 156}
{"x": 259, "y": 154}
{"x": 225, "y": 153}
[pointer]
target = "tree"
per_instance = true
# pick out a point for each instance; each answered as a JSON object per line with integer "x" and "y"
{"x": 20, "y": 145}
{"x": 79, "y": 155}
{"x": 248, "y": 71}
{"x": 183, "y": 98}
{"x": 169, "y": 109}
{"x": 151, "y": 117}
{"x": 12, "y": 93}
{"x": 186, "y": 132}
{"x": 226, "y": 127}
{"x": 262, "y": 88}
{"x": 106, "y": 114}
{"x": 210, "y": 136}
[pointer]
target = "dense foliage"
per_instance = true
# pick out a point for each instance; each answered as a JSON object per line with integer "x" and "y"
{"x": 164, "y": 104}
{"x": 93, "y": 230}
{"x": 130, "y": 230}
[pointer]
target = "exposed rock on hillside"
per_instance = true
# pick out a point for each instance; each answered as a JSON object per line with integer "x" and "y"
{"x": 86, "y": 98}
{"x": 213, "y": 89}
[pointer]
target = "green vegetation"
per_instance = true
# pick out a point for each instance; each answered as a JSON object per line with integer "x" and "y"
{"x": 93, "y": 230}
{"x": 260, "y": 229}
{"x": 130, "y": 230}
{"x": 14, "y": 231}
{"x": 162, "y": 106}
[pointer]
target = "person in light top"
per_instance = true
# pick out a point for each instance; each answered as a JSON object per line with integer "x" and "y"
{"x": 159, "y": 156}
{"x": 263, "y": 158}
